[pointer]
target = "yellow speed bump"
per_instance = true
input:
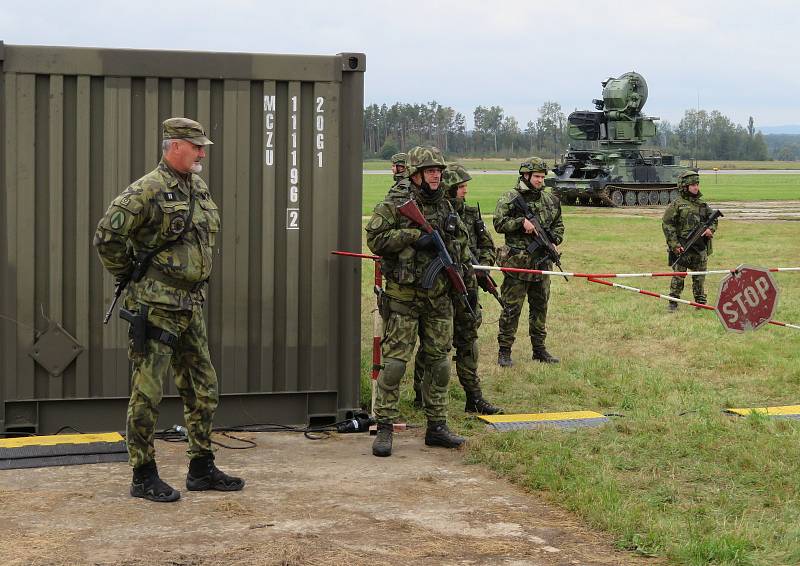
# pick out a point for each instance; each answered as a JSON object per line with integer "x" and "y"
{"x": 61, "y": 450}
{"x": 59, "y": 439}
{"x": 569, "y": 419}
{"x": 784, "y": 411}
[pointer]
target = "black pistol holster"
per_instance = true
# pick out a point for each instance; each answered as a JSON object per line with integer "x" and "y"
{"x": 140, "y": 331}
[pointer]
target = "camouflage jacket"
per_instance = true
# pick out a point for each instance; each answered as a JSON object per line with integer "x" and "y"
{"x": 400, "y": 192}
{"x": 480, "y": 241}
{"x": 150, "y": 212}
{"x": 683, "y": 216}
{"x": 391, "y": 235}
{"x": 508, "y": 220}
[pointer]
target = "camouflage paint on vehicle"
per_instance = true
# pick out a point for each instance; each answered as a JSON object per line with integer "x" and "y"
{"x": 619, "y": 171}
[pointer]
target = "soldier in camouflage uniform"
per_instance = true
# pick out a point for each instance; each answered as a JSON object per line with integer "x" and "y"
{"x": 169, "y": 216}
{"x": 398, "y": 166}
{"x": 400, "y": 191}
{"x": 465, "y": 327}
{"x": 407, "y": 308}
{"x": 518, "y": 232}
{"x": 682, "y": 217}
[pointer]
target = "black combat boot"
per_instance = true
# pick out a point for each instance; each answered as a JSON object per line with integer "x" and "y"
{"x": 540, "y": 354}
{"x": 504, "y": 357}
{"x": 438, "y": 434}
{"x": 147, "y": 485}
{"x": 417, "y": 399}
{"x": 382, "y": 446}
{"x": 477, "y": 404}
{"x": 672, "y": 306}
{"x": 204, "y": 475}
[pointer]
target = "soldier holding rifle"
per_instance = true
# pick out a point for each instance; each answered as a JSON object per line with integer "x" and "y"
{"x": 689, "y": 225}
{"x": 425, "y": 254}
{"x": 527, "y": 249}
{"x": 465, "y": 327}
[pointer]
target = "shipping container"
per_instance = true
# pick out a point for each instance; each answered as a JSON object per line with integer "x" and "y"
{"x": 77, "y": 125}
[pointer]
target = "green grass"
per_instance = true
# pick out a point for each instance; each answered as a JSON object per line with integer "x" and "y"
{"x": 486, "y": 189}
{"x": 766, "y": 165}
{"x": 674, "y": 476}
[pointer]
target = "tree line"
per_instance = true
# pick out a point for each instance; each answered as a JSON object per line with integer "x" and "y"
{"x": 700, "y": 134}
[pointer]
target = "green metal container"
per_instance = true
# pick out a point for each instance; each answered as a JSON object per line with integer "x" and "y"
{"x": 78, "y": 125}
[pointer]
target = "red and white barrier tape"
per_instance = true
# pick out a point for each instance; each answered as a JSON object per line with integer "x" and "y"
{"x": 674, "y": 300}
{"x": 612, "y": 275}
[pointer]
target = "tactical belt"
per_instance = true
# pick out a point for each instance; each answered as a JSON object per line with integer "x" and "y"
{"x": 154, "y": 273}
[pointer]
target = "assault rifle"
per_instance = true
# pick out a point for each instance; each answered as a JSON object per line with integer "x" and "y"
{"x": 695, "y": 236}
{"x": 138, "y": 272}
{"x": 485, "y": 281}
{"x": 410, "y": 210}
{"x": 541, "y": 237}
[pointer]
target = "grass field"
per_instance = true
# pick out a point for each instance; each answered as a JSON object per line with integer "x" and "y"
{"x": 671, "y": 475}
{"x": 499, "y": 164}
{"x": 486, "y": 189}
{"x": 763, "y": 165}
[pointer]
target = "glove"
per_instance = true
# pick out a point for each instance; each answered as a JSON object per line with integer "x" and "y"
{"x": 425, "y": 242}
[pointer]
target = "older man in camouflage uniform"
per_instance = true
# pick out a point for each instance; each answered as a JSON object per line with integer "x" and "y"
{"x": 408, "y": 309}
{"x": 167, "y": 219}
{"x": 465, "y": 326}
{"x": 681, "y": 218}
{"x": 519, "y": 234}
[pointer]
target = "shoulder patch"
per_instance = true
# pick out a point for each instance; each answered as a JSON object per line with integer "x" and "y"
{"x": 375, "y": 223}
{"x": 117, "y": 220}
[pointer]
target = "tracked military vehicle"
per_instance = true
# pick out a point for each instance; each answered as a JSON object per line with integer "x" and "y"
{"x": 618, "y": 171}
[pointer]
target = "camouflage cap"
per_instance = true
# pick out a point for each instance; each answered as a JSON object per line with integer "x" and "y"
{"x": 454, "y": 175}
{"x": 421, "y": 157}
{"x": 533, "y": 165}
{"x": 688, "y": 178}
{"x": 399, "y": 159}
{"x": 185, "y": 129}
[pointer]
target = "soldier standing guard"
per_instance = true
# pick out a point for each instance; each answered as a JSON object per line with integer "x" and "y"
{"x": 519, "y": 234}
{"x": 398, "y": 166}
{"x": 408, "y": 308}
{"x": 400, "y": 191}
{"x": 157, "y": 238}
{"x": 682, "y": 217}
{"x": 465, "y": 326}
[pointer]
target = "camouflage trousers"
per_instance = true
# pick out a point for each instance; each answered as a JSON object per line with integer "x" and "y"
{"x": 514, "y": 291}
{"x": 195, "y": 379}
{"x": 691, "y": 262}
{"x": 432, "y": 321}
{"x": 465, "y": 343}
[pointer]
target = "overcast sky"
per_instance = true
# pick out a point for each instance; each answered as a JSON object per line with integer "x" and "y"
{"x": 738, "y": 56}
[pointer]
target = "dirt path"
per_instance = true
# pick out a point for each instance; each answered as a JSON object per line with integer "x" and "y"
{"x": 306, "y": 502}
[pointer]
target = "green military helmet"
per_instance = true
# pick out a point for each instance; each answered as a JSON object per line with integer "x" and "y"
{"x": 533, "y": 165}
{"x": 399, "y": 159}
{"x": 454, "y": 175}
{"x": 421, "y": 157}
{"x": 688, "y": 178}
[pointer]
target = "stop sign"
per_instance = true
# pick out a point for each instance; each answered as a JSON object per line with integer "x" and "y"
{"x": 747, "y": 299}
